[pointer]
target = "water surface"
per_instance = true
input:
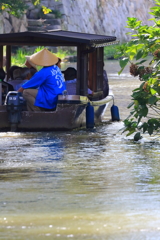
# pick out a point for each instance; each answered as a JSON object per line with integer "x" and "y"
{"x": 83, "y": 184}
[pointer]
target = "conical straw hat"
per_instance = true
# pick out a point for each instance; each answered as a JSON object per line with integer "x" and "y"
{"x": 32, "y": 64}
{"x": 44, "y": 58}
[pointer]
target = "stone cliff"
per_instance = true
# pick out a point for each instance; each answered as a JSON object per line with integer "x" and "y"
{"x": 96, "y": 16}
{"x": 103, "y": 16}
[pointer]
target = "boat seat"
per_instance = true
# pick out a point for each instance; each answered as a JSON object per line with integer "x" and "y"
{"x": 69, "y": 97}
{"x": 72, "y": 99}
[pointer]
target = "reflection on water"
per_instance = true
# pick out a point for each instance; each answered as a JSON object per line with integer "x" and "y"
{"x": 82, "y": 184}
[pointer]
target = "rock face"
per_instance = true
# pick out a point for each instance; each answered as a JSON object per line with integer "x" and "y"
{"x": 96, "y": 16}
{"x": 103, "y": 16}
{"x": 9, "y": 23}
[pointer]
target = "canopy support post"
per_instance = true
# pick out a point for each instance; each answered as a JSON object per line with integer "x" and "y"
{"x": 1, "y": 56}
{"x": 8, "y": 62}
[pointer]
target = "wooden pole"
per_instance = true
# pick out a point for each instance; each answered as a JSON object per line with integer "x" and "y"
{"x": 1, "y": 56}
{"x": 83, "y": 71}
{"x": 8, "y": 60}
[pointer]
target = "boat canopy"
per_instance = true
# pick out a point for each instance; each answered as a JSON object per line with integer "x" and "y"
{"x": 90, "y": 52}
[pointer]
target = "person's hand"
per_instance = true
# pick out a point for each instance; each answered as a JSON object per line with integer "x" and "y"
{"x": 20, "y": 90}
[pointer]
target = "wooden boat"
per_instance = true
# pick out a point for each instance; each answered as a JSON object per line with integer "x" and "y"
{"x": 71, "y": 109}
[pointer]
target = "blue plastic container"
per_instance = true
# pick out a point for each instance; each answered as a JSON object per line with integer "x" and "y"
{"x": 115, "y": 113}
{"x": 89, "y": 116}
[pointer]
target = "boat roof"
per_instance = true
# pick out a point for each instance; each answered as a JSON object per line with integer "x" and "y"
{"x": 90, "y": 52}
{"x": 56, "y": 38}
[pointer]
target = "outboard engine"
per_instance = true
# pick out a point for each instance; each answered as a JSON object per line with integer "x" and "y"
{"x": 14, "y": 104}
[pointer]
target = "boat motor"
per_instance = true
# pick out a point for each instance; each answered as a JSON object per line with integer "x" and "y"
{"x": 14, "y": 104}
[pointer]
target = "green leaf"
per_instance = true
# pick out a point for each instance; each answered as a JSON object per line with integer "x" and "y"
{"x": 144, "y": 111}
{"x": 36, "y": 2}
{"x": 139, "y": 55}
{"x": 152, "y": 100}
{"x": 130, "y": 105}
{"x": 154, "y": 8}
{"x": 153, "y": 91}
{"x": 120, "y": 71}
{"x": 140, "y": 62}
{"x": 131, "y": 132}
{"x": 145, "y": 127}
{"x": 123, "y": 62}
{"x": 136, "y": 89}
{"x": 156, "y": 64}
{"x": 150, "y": 130}
{"x": 139, "y": 119}
{"x": 137, "y": 136}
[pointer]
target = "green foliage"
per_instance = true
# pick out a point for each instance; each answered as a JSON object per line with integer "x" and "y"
{"x": 46, "y": 10}
{"x": 16, "y": 8}
{"x": 57, "y": 13}
{"x": 145, "y": 108}
{"x": 20, "y": 57}
{"x": 110, "y": 51}
{"x": 61, "y": 53}
{"x": 19, "y": 7}
{"x": 36, "y": 2}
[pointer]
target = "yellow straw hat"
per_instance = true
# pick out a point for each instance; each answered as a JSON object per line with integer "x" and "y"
{"x": 30, "y": 63}
{"x": 44, "y": 58}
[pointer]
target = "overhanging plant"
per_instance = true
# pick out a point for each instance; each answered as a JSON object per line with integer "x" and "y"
{"x": 145, "y": 106}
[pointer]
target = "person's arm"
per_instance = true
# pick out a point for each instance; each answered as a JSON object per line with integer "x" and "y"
{"x": 37, "y": 79}
{"x": 20, "y": 90}
{"x": 90, "y": 92}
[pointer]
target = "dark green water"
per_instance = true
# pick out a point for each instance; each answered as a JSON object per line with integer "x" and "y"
{"x": 83, "y": 184}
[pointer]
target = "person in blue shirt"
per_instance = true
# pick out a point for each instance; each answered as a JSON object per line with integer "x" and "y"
{"x": 42, "y": 90}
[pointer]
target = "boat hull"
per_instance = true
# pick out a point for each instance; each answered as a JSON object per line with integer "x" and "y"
{"x": 69, "y": 114}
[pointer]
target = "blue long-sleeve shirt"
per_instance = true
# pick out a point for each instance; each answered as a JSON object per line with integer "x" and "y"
{"x": 50, "y": 84}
